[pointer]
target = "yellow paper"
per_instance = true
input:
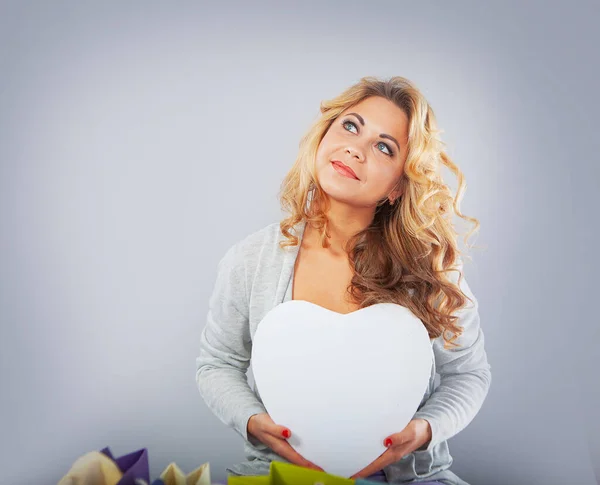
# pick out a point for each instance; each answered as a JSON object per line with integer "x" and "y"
{"x": 172, "y": 475}
{"x": 93, "y": 468}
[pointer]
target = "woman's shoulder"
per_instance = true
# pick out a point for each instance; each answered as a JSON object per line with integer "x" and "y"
{"x": 259, "y": 243}
{"x": 257, "y": 239}
{"x": 257, "y": 253}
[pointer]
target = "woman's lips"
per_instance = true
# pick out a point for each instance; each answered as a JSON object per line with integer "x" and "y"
{"x": 344, "y": 169}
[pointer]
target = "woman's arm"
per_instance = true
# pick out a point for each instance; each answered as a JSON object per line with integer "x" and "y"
{"x": 465, "y": 376}
{"x": 225, "y": 348}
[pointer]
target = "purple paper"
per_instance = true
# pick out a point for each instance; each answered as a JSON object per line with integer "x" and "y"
{"x": 133, "y": 466}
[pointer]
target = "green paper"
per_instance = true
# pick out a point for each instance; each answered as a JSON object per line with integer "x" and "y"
{"x": 289, "y": 474}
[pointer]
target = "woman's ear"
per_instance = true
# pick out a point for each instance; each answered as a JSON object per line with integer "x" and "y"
{"x": 394, "y": 195}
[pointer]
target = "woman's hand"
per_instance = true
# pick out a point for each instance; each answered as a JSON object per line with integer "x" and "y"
{"x": 262, "y": 427}
{"x": 415, "y": 435}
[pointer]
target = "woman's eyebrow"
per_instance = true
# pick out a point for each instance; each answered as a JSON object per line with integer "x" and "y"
{"x": 382, "y": 135}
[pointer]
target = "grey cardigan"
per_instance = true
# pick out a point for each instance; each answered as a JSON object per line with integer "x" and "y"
{"x": 254, "y": 276}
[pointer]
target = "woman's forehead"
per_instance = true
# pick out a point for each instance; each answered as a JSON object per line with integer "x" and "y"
{"x": 381, "y": 114}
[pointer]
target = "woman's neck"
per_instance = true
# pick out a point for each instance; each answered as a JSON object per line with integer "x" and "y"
{"x": 343, "y": 223}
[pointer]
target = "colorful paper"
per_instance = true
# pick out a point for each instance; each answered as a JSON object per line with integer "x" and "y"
{"x": 93, "y": 468}
{"x": 290, "y": 474}
{"x": 134, "y": 466}
{"x": 172, "y": 475}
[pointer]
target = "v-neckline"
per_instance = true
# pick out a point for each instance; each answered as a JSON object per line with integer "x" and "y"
{"x": 289, "y": 294}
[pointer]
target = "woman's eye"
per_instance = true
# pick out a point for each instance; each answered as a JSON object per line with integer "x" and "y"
{"x": 389, "y": 152}
{"x": 348, "y": 123}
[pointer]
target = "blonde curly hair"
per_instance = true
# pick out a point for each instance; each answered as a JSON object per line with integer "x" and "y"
{"x": 404, "y": 254}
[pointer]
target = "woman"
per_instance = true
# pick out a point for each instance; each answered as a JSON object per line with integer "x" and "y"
{"x": 371, "y": 223}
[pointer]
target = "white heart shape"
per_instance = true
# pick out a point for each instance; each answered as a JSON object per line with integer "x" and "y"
{"x": 341, "y": 382}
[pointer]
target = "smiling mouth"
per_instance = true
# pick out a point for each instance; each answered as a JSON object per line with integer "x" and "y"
{"x": 343, "y": 170}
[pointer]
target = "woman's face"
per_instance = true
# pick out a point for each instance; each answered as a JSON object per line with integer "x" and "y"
{"x": 371, "y": 139}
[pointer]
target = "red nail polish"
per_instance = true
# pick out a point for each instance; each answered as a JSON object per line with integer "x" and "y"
{"x": 387, "y": 443}
{"x": 286, "y": 433}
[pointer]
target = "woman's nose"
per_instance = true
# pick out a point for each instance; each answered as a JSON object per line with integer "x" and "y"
{"x": 356, "y": 152}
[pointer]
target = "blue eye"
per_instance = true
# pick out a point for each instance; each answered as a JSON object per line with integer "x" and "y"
{"x": 348, "y": 122}
{"x": 344, "y": 123}
{"x": 389, "y": 149}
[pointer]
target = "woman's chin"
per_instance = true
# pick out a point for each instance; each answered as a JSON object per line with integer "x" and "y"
{"x": 340, "y": 196}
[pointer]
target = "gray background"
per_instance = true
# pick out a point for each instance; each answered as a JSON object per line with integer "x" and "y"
{"x": 138, "y": 141}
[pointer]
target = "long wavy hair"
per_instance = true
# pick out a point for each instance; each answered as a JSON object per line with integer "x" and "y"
{"x": 404, "y": 254}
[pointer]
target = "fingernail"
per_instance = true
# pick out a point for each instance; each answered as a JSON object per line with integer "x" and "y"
{"x": 286, "y": 433}
{"x": 387, "y": 443}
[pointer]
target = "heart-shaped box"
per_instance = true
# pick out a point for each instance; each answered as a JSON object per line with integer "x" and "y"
{"x": 341, "y": 382}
